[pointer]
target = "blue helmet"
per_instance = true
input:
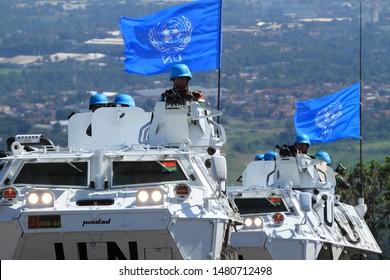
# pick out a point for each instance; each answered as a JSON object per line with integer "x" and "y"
{"x": 124, "y": 99}
{"x": 302, "y": 138}
{"x": 270, "y": 155}
{"x": 96, "y": 99}
{"x": 180, "y": 70}
{"x": 324, "y": 156}
{"x": 259, "y": 157}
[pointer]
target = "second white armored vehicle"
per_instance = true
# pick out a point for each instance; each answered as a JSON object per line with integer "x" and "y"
{"x": 142, "y": 186}
{"x": 291, "y": 211}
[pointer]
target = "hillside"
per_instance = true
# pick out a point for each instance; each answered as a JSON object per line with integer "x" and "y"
{"x": 274, "y": 53}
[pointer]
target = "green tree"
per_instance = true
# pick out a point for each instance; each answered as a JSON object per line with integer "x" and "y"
{"x": 375, "y": 178}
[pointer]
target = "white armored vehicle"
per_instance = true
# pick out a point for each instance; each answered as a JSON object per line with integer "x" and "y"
{"x": 142, "y": 186}
{"x": 291, "y": 211}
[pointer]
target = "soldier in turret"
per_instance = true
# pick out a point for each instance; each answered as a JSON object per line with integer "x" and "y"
{"x": 180, "y": 93}
{"x": 271, "y": 155}
{"x": 124, "y": 100}
{"x": 338, "y": 173}
{"x": 96, "y": 101}
{"x": 259, "y": 157}
{"x": 302, "y": 144}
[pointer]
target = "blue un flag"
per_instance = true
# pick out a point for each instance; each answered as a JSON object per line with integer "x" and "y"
{"x": 189, "y": 33}
{"x": 330, "y": 118}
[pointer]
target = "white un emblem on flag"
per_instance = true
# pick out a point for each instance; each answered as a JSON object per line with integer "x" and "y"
{"x": 172, "y": 34}
{"x": 327, "y": 117}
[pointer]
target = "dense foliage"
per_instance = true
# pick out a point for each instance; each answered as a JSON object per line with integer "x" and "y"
{"x": 372, "y": 182}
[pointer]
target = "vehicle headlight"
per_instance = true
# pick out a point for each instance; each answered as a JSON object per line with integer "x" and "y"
{"x": 150, "y": 197}
{"x": 32, "y": 198}
{"x": 40, "y": 199}
{"x": 156, "y": 195}
{"x": 253, "y": 222}
{"x": 47, "y": 198}
{"x": 248, "y": 222}
{"x": 142, "y": 196}
{"x": 258, "y": 222}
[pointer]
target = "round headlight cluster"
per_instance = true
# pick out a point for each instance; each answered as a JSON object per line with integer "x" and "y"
{"x": 40, "y": 199}
{"x": 253, "y": 222}
{"x": 151, "y": 196}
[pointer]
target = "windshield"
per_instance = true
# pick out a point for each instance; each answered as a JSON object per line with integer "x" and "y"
{"x": 260, "y": 205}
{"x": 54, "y": 174}
{"x": 141, "y": 172}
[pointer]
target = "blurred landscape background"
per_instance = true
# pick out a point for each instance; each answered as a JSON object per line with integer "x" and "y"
{"x": 54, "y": 54}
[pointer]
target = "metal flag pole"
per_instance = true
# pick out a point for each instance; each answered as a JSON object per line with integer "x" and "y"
{"x": 361, "y": 205}
{"x": 219, "y": 92}
{"x": 220, "y": 58}
{"x": 219, "y": 89}
{"x": 360, "y": 109}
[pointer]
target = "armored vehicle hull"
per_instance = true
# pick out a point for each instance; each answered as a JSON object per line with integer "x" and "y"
{"x": 291, "y": 211}
{"x": 142, "y": 186}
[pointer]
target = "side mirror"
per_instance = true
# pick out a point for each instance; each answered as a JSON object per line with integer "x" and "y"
{"x": 218, "y": 168}
{"x": 305, "y": 205}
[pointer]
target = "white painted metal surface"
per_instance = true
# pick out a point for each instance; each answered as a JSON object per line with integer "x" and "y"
{"x": 140, "y": 187}
{"x": 298, "y": 213}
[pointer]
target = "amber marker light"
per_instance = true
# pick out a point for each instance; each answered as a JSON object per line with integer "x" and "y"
{"x": 182, "y": 191}
{"x": 278, "y": 218}
{"x": 9, "y": 193}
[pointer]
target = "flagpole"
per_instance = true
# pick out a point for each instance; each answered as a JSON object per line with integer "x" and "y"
{"x": 219, "y": 88}
{"x": 220, "y": 56}
{"x": 360, "y": 94}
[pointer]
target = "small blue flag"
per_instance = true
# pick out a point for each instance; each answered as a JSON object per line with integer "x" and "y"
{"x": 330, "y": 118}
{"x": 189, "y": 33}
